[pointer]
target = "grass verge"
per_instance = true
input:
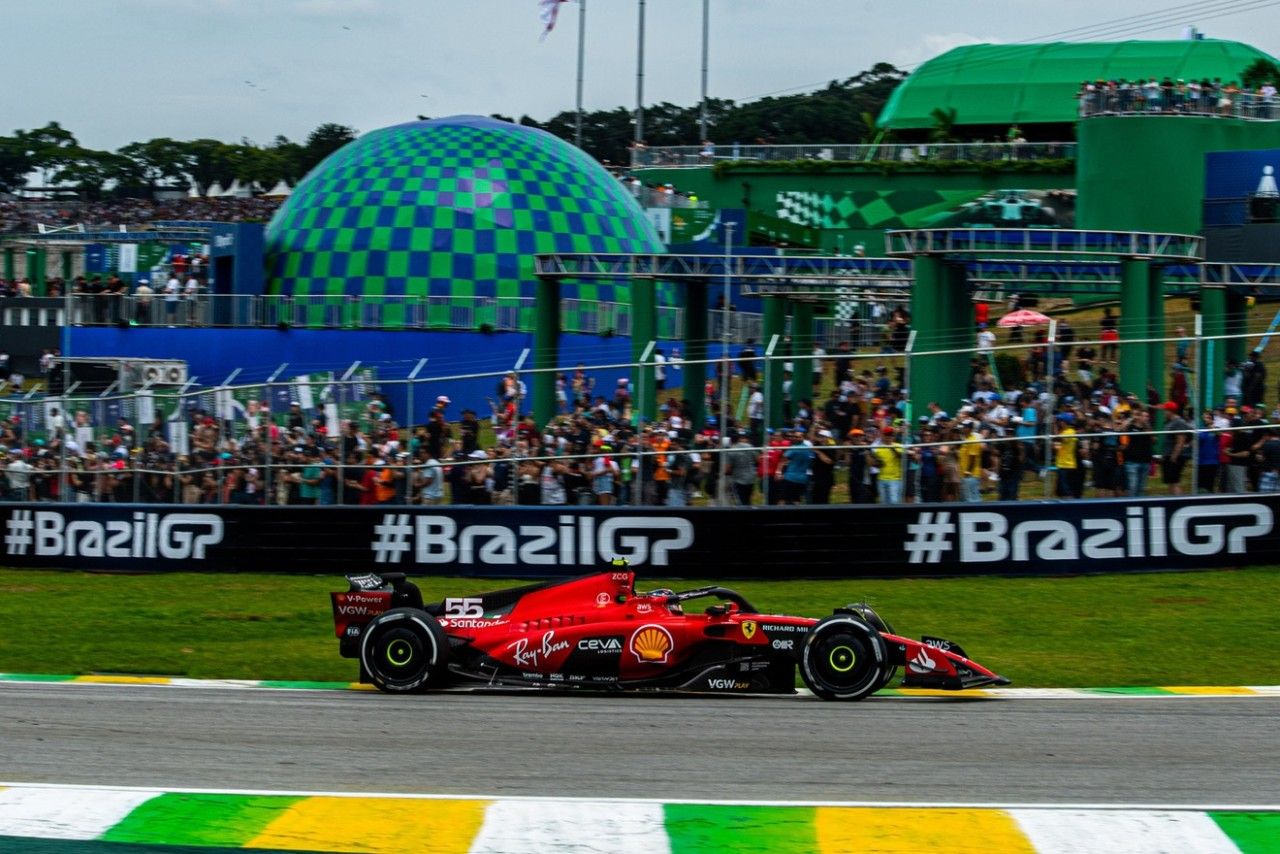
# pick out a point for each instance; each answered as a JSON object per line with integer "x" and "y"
{"x": 1198, "y": 628}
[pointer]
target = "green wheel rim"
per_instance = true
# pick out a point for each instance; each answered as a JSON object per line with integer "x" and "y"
{"x": 399, "y": 653}
{"x": 842, "y": 659}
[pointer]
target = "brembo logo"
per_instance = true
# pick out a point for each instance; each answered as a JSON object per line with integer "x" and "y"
{"x": 1200, "y": 530}
{"x": 176, "y": 536}
{"x": 576, "y": 540}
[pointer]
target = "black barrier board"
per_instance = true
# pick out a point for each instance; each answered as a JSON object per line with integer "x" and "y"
{"x": 1027, "y": 538}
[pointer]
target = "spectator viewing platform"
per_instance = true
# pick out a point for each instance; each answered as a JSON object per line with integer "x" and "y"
{"x": 1174, "y": 99}
{"x": 690, "y": 156}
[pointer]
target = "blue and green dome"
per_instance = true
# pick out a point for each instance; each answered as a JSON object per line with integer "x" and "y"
{"x": 452, "y": 207}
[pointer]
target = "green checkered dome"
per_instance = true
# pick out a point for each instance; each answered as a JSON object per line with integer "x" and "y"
{"x": 453, "y": 208}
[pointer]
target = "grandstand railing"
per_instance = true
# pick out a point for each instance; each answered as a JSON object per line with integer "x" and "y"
{"x": 686, "y": 156}
{"x": 1243, "y": 105}
{"x": 237, "y": 416}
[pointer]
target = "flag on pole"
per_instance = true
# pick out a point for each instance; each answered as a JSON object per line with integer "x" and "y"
{"x": 547, "y": 11}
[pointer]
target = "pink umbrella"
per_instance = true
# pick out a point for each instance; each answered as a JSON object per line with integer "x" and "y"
{"x": 1023, "y": 317}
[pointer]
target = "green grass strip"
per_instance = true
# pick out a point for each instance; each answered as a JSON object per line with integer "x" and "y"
{"x": 35, "y": 677}
{"x": 1252, "y": 832}
{"x": 189, "y": 819}
{"x": 1134, "y": 691}
{"x": 285, "y": 683}
{"x": 701, "y": 827}
{"x": 27, "y": 845}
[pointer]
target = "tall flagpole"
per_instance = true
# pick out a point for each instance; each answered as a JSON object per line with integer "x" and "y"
{"x": 582, "y": 40}
{"x": 640, "y": 78}
{"x": 706, "y": 28}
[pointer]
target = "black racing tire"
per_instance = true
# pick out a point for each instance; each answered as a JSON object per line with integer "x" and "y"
{"x": 404, "y": 651}
{"x": 883, "y": 626}
{"x": 843, "y": 659}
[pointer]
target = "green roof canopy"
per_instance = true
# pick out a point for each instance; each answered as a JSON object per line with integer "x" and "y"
{"x": 992, "y": 84}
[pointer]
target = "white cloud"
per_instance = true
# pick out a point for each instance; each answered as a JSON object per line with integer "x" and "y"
{"x": 932, "y": 44}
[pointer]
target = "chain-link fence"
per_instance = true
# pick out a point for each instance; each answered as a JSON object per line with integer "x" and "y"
{"x": 1049, "y": 416}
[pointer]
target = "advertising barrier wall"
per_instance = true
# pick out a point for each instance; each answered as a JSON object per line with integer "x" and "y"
{"x": 1048, "y": 538}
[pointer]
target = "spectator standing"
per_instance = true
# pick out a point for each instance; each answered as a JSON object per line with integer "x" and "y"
{"x": 887, "y": 467}
{"x": 1066, "y": 460}
{"x": 1253, "y": 380}
{"x": 969, "y": 457}
{"x": 1208, "y": 454}
{"x": 1176, "y": 448}
{"x": 604, "y": 471}
{"x": 794, "y": 475}
{"x": 143, "y": 294}
{"x": 741, "y": 465}
{"x": 823, "y": 467}
{"x": 747, "y": 361}
{"x": 172, "y": 298}
{"x": 1109, "y": 335}
{"x": 1138, "y": 451}
{"x": 1269, "y": 461}
{"x": 18, "y": 474}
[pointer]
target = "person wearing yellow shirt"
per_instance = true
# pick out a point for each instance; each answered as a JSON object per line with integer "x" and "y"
{"x": 887, "y": 456}
{"x": 1065, "y": 449}
{"x": 969, "y": 458}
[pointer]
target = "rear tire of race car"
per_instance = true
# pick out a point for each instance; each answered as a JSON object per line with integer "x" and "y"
{"x": 405, "y": 650}
{"x": 843, "y": 659}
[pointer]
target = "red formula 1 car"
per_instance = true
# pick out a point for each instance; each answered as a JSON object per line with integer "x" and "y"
{"x": 597, "y": 632}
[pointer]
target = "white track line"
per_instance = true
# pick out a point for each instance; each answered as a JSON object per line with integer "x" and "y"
{"x": 302, "y": 793}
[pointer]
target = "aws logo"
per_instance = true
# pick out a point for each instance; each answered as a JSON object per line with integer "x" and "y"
{"x": 651, "y": 645}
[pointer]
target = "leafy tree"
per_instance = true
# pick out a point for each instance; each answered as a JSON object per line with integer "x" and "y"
{"x": 323, "y": 141}
{"x": 89, "y": 171}
{"x": 1259, "y": 71}
{"x": 15, "y": 163}
{"x": 944, "y": 124}
{"x": 156, "y": 162}
{"x": 47, "y": 148}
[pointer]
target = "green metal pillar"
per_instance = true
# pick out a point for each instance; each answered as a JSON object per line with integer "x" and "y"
{"x": 1237, "y": 348}
{"x": 1135, "y": 324}
{"x": 942, "y": 317}
{"x": 644, "y": 328}
{"x": 775, "y": 323}
{"x": 1155, "y": 315}
{"x": 36, "y": 259}
{"x": 802, "y": 351}
{"x": 68, "y": 265}
{"x": 546, "y": 349}
{"x": 1211, "y": 353}
{"x": 694, "y": 370}
{"x": 10, "y": 266}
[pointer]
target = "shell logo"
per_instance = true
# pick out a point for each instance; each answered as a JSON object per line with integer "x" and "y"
{"x": 651, "y": 644}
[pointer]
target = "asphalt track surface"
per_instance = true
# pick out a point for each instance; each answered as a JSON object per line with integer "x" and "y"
{"x": 1184, "y": 750}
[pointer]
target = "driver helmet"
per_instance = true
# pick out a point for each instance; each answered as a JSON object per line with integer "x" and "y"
{"x": 620, "y": 562}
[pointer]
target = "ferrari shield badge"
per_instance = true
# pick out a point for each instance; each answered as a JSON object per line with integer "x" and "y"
{"x": 748, "y": 629}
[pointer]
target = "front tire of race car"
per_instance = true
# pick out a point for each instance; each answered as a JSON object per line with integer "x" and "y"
{"x": 843, "y": 659}
{"x": 405, "y": 650}
{"x": 881, "y": 625}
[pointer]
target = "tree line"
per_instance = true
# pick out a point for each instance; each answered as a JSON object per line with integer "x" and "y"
{"x": 843, "y": 111}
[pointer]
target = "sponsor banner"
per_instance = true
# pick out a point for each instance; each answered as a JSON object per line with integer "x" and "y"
{"x": 1027, "y": 538}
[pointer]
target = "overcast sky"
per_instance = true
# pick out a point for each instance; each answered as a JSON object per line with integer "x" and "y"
{"x": 115, "y": 71}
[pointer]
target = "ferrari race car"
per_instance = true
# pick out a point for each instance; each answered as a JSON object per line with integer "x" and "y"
{"x": 597, "y": 632}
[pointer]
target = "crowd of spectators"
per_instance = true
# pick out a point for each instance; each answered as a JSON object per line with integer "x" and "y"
{"x": 24, "y": 216}
{"x": 1064, "y": 431}
{"x": 1177, "y": 96}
